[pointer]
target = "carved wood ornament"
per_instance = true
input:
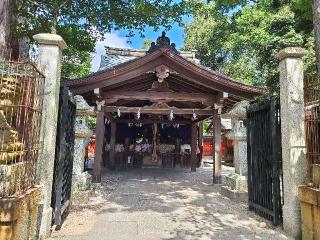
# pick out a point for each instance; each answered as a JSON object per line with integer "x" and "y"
{"x": 162, "y": 72}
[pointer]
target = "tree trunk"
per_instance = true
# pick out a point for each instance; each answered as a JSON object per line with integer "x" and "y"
{"x": 316, "y": 25}
{"x": 5, "y": 33}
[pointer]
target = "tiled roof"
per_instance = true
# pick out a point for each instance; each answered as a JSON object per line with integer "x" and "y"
{"x": 109, "y": 61}
{"x": 116, "y": 56}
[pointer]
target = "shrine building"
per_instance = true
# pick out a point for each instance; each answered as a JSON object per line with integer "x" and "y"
{"x": 150, "y": 105}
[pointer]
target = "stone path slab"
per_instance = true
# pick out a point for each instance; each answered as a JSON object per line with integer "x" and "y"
{"x": 147, "y": 204}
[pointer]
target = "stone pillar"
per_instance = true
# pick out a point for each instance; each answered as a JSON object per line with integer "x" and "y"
{"x": 293, "y": 135}
{"x": 49, "y": 59}
{"x": 239, "y": 137}
{"x": 217, "y": 148}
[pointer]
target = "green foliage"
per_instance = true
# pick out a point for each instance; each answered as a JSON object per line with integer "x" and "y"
{"x": 241, "y": 39}
{"x": 146, "y": 44}
{"x": 205, "y": 128}
{"x": 310, "y": 58}
{"x": 82, "y": 22}
{"x": 77, "y": 58}
{"x": 92, "y": 122}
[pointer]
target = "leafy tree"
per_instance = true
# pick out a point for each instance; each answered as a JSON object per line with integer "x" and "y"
{"x": 82, "y": 23}
{"x": 92, "y": 122}
{"x": 316, "y": 22}
{"x": 206, "y": 130}
{"x": 242, "y": 39}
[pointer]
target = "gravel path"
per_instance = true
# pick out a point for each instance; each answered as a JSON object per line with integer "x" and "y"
{"x": 149, "y": 204}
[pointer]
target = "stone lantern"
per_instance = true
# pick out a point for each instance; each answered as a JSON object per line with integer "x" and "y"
{"x": 235, "y": 186}
{"x": 81, "y": 180}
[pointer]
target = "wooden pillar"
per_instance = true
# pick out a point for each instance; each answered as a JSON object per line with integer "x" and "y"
{"x": 112, "y": 143}
{"x": 100, "y": 128}
{"x": 126, "y": 151}
{"x": 200, "y": 143}
{"x": 177, "y": 152}
{"x": 194, "y": 137}
{"x": 200, "y": 133}
{"x": 216, "y": 148}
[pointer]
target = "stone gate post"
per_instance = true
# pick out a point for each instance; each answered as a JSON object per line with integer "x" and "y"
{"x": 49, "y": 59}
{"x": 293, "y": 135}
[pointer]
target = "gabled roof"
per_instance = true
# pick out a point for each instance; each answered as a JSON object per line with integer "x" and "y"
{"x": 189, "y": 71}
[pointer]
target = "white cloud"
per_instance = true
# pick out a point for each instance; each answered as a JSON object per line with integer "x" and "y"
{"x": 110, "y": 40}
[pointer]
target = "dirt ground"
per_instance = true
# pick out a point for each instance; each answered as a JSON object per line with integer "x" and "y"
{"x": 147, "y": 204}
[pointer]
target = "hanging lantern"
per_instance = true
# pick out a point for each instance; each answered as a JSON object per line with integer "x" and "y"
{"x": 138, "y": 114}
{"x": 171, "y": 115}
{"x": 194, "y": 115}
{"x": 162, "y": 125}
{"x": 119, "y": 113}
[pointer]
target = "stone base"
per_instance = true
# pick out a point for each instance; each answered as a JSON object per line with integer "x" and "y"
{"x": 81, "y": 197}
{"x": 237, "y": 182}
{"x": 82, "y": 181}
{"x": 316, "y": 175}
{"x": 81, "y": 188}
{"x": 235, "y": 187}
{"x": 310, "y": 212}
{"x": 44, "y": 221}
{"x": 234, "y": 194}
{"x": 18, "y": 216}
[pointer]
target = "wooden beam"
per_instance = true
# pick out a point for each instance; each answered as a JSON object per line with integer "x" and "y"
{"x": 142, "y": 84}
{"x": 202, "y": 118}
{"x": 99, "y": 145}
{"x": 113, "y": 96}
{"x": 159, "y": 111}
{"x": 151, "y": 121}
{"x": 178, "y": 79}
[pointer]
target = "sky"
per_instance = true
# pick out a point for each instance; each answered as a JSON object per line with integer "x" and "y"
{"x": 118, "y": 39}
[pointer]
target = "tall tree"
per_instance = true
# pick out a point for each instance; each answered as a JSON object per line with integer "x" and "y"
{"x": 316, "y": 24}
{"x": 241, "y": 38}
{"x": 5, "y": 21}
{"x": 90, "y": 20}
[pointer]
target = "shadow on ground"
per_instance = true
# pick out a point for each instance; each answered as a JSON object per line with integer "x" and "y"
{"x": 162, "y": 204}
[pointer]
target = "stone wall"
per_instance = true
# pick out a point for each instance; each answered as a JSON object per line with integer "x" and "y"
{"x": 309, "y": 197}
{"x": 18, "y": 216}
